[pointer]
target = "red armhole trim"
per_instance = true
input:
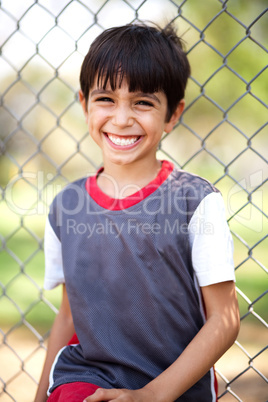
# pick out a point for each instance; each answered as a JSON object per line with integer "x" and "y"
{"x": 114, "y": 204}
{"x": 74, "y": 340}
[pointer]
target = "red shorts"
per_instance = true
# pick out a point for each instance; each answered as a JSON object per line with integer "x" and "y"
{"x": 72, "y": 392}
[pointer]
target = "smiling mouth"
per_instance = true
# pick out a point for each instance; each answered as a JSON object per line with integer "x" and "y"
{"x": 123, "y": 141}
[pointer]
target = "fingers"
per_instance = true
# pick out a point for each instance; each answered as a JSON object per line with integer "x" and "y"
{"x": 122, "y": 395}
{"x": 101, "y": 395}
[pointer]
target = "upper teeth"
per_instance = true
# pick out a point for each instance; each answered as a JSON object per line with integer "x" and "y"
{"x": 122, "y": 141}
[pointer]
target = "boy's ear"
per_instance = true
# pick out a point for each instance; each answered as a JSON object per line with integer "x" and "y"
{"x": 83, "y": 102}
{"x": 175, "y": 116}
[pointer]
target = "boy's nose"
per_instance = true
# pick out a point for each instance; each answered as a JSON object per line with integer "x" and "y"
{"x": 122, "y": 117}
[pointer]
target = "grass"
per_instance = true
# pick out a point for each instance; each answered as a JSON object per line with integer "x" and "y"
{"x": 22, "y": 272}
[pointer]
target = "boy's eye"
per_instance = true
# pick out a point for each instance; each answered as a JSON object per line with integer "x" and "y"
{"x": 104, "y": 99}
{"x": 144, "y": 103}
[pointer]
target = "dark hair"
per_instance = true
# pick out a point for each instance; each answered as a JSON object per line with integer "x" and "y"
{"x": 150, "y": 58}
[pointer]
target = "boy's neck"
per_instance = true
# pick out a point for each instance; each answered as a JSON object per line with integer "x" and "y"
{"x": 121, "y": 181}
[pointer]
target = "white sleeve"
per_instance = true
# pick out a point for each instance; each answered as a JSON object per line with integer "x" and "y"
{"x": 53, "y": 259}
{"x": 211, "y": 242}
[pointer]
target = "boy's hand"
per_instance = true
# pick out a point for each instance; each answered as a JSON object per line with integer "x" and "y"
{"x": 121, "y": 395}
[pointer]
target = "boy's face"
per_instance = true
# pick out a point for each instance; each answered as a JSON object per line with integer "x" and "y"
{"x": 127, "y": 125}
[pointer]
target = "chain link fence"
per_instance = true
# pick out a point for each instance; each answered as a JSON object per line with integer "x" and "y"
{"x": 44, "y": 144}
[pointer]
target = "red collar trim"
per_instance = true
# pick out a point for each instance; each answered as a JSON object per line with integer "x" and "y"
{"x": 114, "y": 204}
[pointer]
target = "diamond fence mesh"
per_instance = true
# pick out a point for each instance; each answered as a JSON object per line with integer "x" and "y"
{"x": 44, "y": 144}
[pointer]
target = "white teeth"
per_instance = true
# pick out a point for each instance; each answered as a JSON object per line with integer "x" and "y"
{"x": 122, "y": 141}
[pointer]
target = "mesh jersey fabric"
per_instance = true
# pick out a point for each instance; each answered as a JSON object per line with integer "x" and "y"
{"x": 131, "y": 285}
{"x": 209, "y": 237}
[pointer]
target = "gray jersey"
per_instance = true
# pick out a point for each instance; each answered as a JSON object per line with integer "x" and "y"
{"x": 131, "y": 284}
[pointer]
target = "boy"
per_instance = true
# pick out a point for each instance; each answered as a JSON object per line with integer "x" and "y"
{"x": 142, "y": 249}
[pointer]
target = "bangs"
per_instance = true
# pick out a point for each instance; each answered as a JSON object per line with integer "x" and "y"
{"x": 141, "y": 73}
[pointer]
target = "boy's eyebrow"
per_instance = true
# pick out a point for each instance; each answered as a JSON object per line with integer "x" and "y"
{"x": 100, "y": 91}
{"x": 135, "y": 94}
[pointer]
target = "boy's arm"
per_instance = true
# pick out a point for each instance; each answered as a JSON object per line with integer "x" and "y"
{"x": 214, "y": 338}
{"x": 61, "y": 332}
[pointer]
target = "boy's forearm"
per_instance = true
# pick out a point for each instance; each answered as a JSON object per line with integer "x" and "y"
{"x": 60, "y": 335}
{"x": 216, "y": 336}
{"x": 200, "y": 355}
{"x": 61, "y": 332}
